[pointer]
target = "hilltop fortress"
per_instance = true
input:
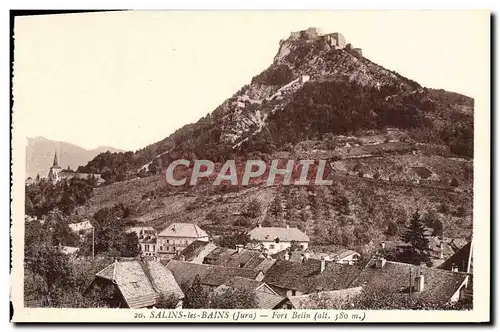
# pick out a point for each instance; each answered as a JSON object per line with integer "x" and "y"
{"x": 336, "y": 40}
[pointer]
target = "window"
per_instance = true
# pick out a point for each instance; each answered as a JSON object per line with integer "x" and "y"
{"x": 168, "y": 241}
{"x": 146, "y": 247}
{"x": 161, "y": 248}
{"x": 135, "y": 284}
{"x": 154, "y": 247}
{"x": 186, "y": 242}
{"x": 294, "y": 292}
{"x": 271, "y": 246}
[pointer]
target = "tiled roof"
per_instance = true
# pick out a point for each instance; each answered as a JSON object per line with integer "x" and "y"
{"x": 266, "y": 298}
{"x": 284, "y": 234}
{"x": 162, "y": 279}
{"x": 394, "y": 278}
{"x": 264, "y": 266}
{"x": 185, "y": 272}
{"x": 210, "y": 275}
{"x": 293, "y": 256}
{"x": 460, "y": 259}
{"x": 132, "y": 282}
{"x": 329, "y": 300}
{"x": 196, "y": 251}
{"x": 220, "y": 253}
{"x": 233, "y": 258}
{"x": 343, "y": 253}
{"x": 188, "y": 230}
{"x": 220, "y": 274}
{"x": 141, "y": 283}
{"x": 243, "y": 283}
{"x": 306, "y": 277}
{"x": 260, "y": 264}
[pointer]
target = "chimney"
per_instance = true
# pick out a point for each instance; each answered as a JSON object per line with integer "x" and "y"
{"x": 239, "y": 247}
{"x": 323, "y": 265}
{"x": 287, "y": 226}
{"x": 454, "y": 267}
{"x": 419, "y": 282}
{"x": 288, "y": 255}
{"x": 380, "y": 262}
{"x": 182, "y": 258}
{"x": 259, "y": 225}
{"x": 441, "y": 250}
{"x": 382, "y": 245}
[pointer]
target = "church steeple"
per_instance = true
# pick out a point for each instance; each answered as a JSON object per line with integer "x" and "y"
{"x": 56, "y": 163}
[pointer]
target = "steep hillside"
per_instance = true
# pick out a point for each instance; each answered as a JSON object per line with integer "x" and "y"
{"x": 40, "y": 155}
{"x": 392, "y": 147}
{"x": 310, "y": 90}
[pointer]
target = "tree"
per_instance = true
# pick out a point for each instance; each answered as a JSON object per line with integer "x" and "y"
{"x": 392, "y": 229}
{"x": 416, "y": 237}
{"x": 431, "y": 219}
{"x": 295, "y": 246}
{"x": 110, "y": 235}
{"x": 253, "y": 209}
{"x": 230, "y": 241}
{"x": 167, "y": 301}
{"x": 50, "y": 264}
{"x": 233, "y": 298}
{"x": 195, "y": 296}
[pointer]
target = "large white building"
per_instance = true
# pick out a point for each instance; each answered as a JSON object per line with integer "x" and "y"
{"x": 276, "y": 239}
{"x": 178, "y": 236}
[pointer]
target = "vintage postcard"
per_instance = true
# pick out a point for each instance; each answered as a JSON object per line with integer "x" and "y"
{"x": 251, "y": 166}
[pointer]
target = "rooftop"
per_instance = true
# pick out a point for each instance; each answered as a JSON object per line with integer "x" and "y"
{"x": 325, "y": 300}
{"x": 394, "y": 278}
{"x": 140, "y": 283}
{"x": 282, "y": 233}
{"x": 266, "y": 298}
{"x": 210, "y": 275}
{"x": 189, "y": 230}
{"x": 196, "y": 251}
{"x": 307, "y": 277}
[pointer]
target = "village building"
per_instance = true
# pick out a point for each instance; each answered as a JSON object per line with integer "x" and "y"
{"x": 461, "y": 261}
{"x": 265, "y": 296}
{"x": 140, "y": 230}
{"x": 196, "y": 252}
{"x": 211, "y": 276}
{"x": 29, "y": 181}
{"x": 341, "y": 256}
{"x": 147, "y": 243}
{"x": 70, "y": 251}
{"x": 336, "y": 299}
{"x": 292, "y": 279}
{"x": 177, "y": 236}
{"x": 136, "y": 284}
{"x": 275, "y": 239}
{"x": 401, "y": 279}
{"x": 346, "y": 256}
{"x": 57, "y": 173}
{"x": 81, "y": 227}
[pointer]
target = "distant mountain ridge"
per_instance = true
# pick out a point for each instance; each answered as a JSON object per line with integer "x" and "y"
{"x": 40, "y": 155}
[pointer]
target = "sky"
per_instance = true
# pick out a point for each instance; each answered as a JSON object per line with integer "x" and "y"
{"x": 129, "y": 79}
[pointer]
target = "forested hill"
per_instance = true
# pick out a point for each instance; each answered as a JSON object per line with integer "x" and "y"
{"x": 311, "y": 91}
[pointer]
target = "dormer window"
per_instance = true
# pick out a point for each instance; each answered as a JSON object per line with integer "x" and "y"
{"x": 277, "y": 240}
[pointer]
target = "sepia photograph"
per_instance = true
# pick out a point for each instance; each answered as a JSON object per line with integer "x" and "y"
{"x": 251, "y": 166}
